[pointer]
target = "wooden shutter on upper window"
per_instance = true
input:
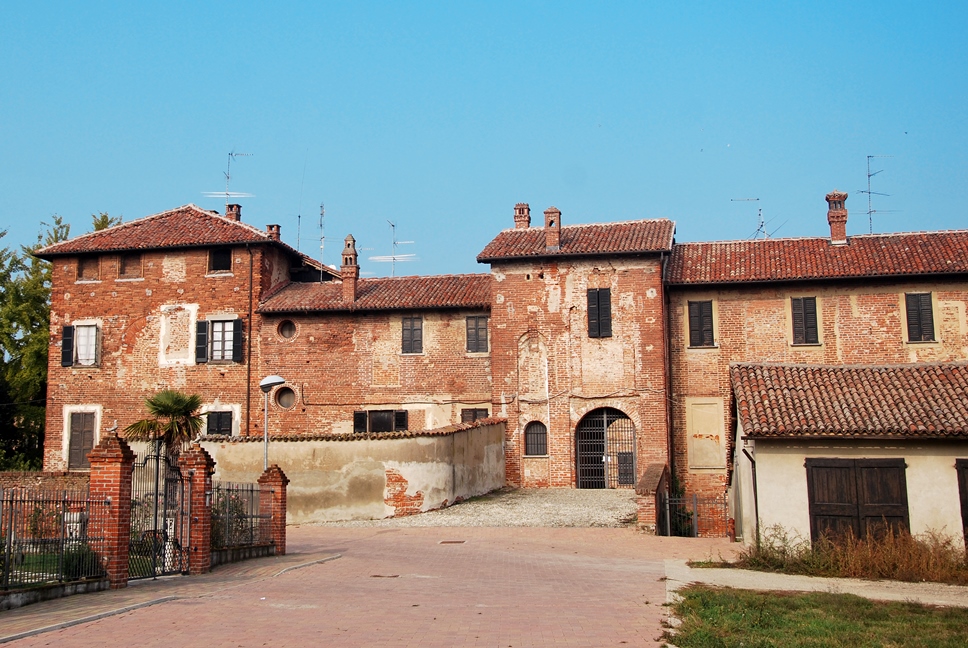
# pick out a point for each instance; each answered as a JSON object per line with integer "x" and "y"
{"x": 701, "y": 324}
{"x": 796, "y": 306}
{"x": 67, "y": 346}
{"x": 811, "y": 333}
{"x": 919, "y": 317}
{"x": 592, "y": 313}
{"x": 605, "y": 312}
{"x": 201, "y": 342}
{"x": 472, "y": 334}
{"x": 237, "y": 340}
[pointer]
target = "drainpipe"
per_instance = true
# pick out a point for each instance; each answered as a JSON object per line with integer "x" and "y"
{"x": 670, "y": 446}
{"x": 756, "y": 499}
{"x": 248, "y": 362}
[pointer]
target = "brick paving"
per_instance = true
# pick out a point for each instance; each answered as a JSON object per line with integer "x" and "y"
{"x": 499, "y": 587}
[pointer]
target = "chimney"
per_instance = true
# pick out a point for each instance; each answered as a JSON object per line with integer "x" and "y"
{"x": 552, "y": 229}
{"x": 350, "y": 270}
{"x": 274, "y": 232}
{"x": 837, "y": 217}
{"x": 522, "y": 216}
{"x": 233, "y": 212}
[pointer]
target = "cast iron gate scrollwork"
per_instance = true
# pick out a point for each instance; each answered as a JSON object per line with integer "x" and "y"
{"x": 160, "y": 518}
{"x": 605, "y": 450}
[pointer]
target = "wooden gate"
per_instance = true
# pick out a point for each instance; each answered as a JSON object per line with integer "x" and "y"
{"x": 859, "y": 495}
{"x": 605, "y": 450}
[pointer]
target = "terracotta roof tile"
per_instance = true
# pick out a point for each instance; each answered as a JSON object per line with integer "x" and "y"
{"x": 631, "y": 237}
{"x": 877, "y": 255}
{"x": 360, "y": 436}
{"x": 916, "y": 400}
{"x": 385, "y": 293}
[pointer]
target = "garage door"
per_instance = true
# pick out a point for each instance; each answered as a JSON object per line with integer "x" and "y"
{"x": 860, "y": 495}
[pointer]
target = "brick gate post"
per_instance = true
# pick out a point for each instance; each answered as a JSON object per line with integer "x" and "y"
{"x": 111, "y": 465}
{"x": 198, "y": 467}
{"x": 654, "y": 482}
{"x": 272, "y": 501}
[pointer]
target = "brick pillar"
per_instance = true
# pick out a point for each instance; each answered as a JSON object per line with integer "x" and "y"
{"x": 198, "y": 466}
{"x": 272, "y": 501}
{"x": 111, "y": 464}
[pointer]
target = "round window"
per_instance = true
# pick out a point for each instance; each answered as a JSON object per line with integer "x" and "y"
{"x": 287, "y": 329}
{"x": 285, "y": 397}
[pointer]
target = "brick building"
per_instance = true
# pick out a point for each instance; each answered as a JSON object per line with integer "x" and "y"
{"x": 608, "y": 347}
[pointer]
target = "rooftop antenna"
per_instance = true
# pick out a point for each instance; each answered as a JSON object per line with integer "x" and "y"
{"x": 299, "y": 206}
{"x": 322, "y": 240}
{"x": 760, "y": 225}
{"x": 228, "y": 177}
{"x": 870, "y": 209}
{"x": 393, "y": 258}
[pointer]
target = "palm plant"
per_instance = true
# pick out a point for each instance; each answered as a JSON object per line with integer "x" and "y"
{"x": 174, "y": 419}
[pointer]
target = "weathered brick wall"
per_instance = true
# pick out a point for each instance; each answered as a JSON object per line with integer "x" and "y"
{"x": 546, "y": 368}
{"x": 858, "y": 323}
{"x": 147, "y": 329}
{"x": 338, "y": 363}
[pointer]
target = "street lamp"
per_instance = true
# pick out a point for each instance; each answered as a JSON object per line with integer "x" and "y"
{"x": 266, "y": 386}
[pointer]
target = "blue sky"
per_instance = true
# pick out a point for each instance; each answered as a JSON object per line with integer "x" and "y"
{"x": 441, "y": 116}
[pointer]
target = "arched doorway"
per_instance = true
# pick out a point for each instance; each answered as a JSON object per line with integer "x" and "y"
{"x": 605, "y": 450}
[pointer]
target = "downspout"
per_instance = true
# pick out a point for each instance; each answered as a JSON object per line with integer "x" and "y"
{"x": 666, "y": 333}
{"x": 248, "y": 362}
{"x": 756, "y": 499}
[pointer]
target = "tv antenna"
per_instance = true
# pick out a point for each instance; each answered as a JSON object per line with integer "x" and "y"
{"x": 228, "y": 177}
{"x": 322, "y": 240}
{"x": 760, "y": 223}
{"x": 870, "y": 208}
{"x": 393, "y": 258}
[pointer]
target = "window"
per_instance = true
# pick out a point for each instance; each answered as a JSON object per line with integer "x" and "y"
{"x": 129, "y": 266}
{"x": 701, "y": 324}
{"x": 477, "y": 334}
{"x": 287, "y": 329}
{"x": 285, "y": 397}
{"x": 82, "y": 440}
{"x": 218, "y": 341}
{"x": 599, "y": 312}
{"x": 805, "y": 320}
{"x": 220, "y": 260}
{"x": 81, "y": 346}
{"x": 220, "y": 423}
{"x": 920, "y": 319}
{"x": 380, "y": 421}
{"x": 412, "y": 335}
{"x": 471, "y": 415}
{"x": 88, "y": 269}
{"x": 536, "y": 439}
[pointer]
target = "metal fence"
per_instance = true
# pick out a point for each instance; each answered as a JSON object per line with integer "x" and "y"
{"x": 692, "y": 516}
{"x": 48, "y": 537}
{"x": 237, "y": 517}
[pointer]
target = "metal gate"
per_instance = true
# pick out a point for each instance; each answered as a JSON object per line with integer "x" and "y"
{"x": 605, "y": 450}
{"x": 692, "y": 516}
{"x": 159, "y": 516}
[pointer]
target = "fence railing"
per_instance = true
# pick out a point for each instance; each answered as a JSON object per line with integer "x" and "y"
{"x": 239, "y": 515}
{"x": 692, "y": 516}
{"x": 48, "y": 537}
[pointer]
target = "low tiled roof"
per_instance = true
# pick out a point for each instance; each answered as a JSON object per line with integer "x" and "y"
{"x": 899, "y": 401}
{"x": 359, "y": 436}
{"x": 185, "y": 227}
{"x": 798, "y": 259}
{"x": 385, "y": 293}
{"x": 632, "y": 237}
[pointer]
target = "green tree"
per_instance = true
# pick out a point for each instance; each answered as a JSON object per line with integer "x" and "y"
{"x": 174, "y": 419}
{"x": 102, "y": 220}
{"x": 25, "y": 283}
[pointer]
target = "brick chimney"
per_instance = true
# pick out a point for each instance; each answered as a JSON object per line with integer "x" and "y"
{"x": 350, "y": 270}
{"x": 552, "y": 229}
{"x": 522, "y": 216}
{"x": 837, "y": 217}
{"x": 274, "y": 232}
{"x": 233, "y": 212}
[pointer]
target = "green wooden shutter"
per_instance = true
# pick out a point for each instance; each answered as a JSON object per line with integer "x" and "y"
{"x": 201, "y": 342}
{"x": 695, "y": 324}
{"x": 796, "y": 305}
{"x": 237, "y": 340}
{"x": 706, "y": 316}
{"x": 67, "y": 346}
{"x": 810, "y": 332}
{"x": 592, "y": 313}
{"x": 605, "y": 312}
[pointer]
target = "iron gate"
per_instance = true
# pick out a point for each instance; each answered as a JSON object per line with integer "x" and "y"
{"x": 159, "y": 516}
{"x": 605, "y": 450}
{"x": 692, "y": 516}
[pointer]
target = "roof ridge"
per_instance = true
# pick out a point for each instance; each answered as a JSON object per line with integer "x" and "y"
{"x": 462, "y": 274}
{"x": 822, "y": 238}
{"x": 540, "y": 228}
{"x": 905, "y": 365}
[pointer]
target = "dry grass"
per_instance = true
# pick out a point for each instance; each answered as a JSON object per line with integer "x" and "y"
{"x": 889, "y": 555}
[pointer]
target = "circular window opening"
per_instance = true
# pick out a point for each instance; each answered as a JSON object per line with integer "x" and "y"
{"x": 287, "y": 329}
{"x": 285, "y": 397}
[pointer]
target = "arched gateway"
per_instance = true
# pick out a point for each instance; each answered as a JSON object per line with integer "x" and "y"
{"x": 605, "y": 450}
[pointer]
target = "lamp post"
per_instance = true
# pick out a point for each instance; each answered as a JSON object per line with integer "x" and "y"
{"x": 266, "y": 386}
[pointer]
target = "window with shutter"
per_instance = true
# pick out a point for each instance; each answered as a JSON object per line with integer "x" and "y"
{"x": 412, "y": 335}
{"x": 477, "y": 334}
{"x": 469, "y": 415}
{"x": 701, "y": 324}
{"x": 380, "y": 421}
{"x": 599, "y": 312}
{"x": 81, "y": 346}
{"x": 920, "y": 318}
{"x": 804, "y": 310}
{"x": 220, "y": 423}
{"x": 219, "y": 341}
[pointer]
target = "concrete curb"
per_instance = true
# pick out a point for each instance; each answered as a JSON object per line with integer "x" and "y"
{"x": 307, "y": 564}
{"x": 87, "y": 619}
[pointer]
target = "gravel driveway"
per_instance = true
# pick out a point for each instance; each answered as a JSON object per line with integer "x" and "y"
{"x": 523, "y": 507}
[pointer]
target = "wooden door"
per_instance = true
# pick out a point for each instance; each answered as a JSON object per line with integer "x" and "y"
{"x": 82, "y": 440}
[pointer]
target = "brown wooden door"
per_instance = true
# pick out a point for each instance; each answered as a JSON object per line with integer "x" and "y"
{"x": 860, "y": 495}
{"x": 82, "y": 440}
{"x": 961, "y": 465}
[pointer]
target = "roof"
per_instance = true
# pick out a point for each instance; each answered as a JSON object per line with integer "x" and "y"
{"x": 820, "y": 401}
{"x": 184, "y": 227}
{"x": 631, "y": 237}
{"x": 447, "y": 430}
{"x": 800, "y": 259}
{"x": 385, "y": 293}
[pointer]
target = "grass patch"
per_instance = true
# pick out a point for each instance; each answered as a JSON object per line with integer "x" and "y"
{"x": 722, "y": 617}
{"x": 896, "y": 556}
